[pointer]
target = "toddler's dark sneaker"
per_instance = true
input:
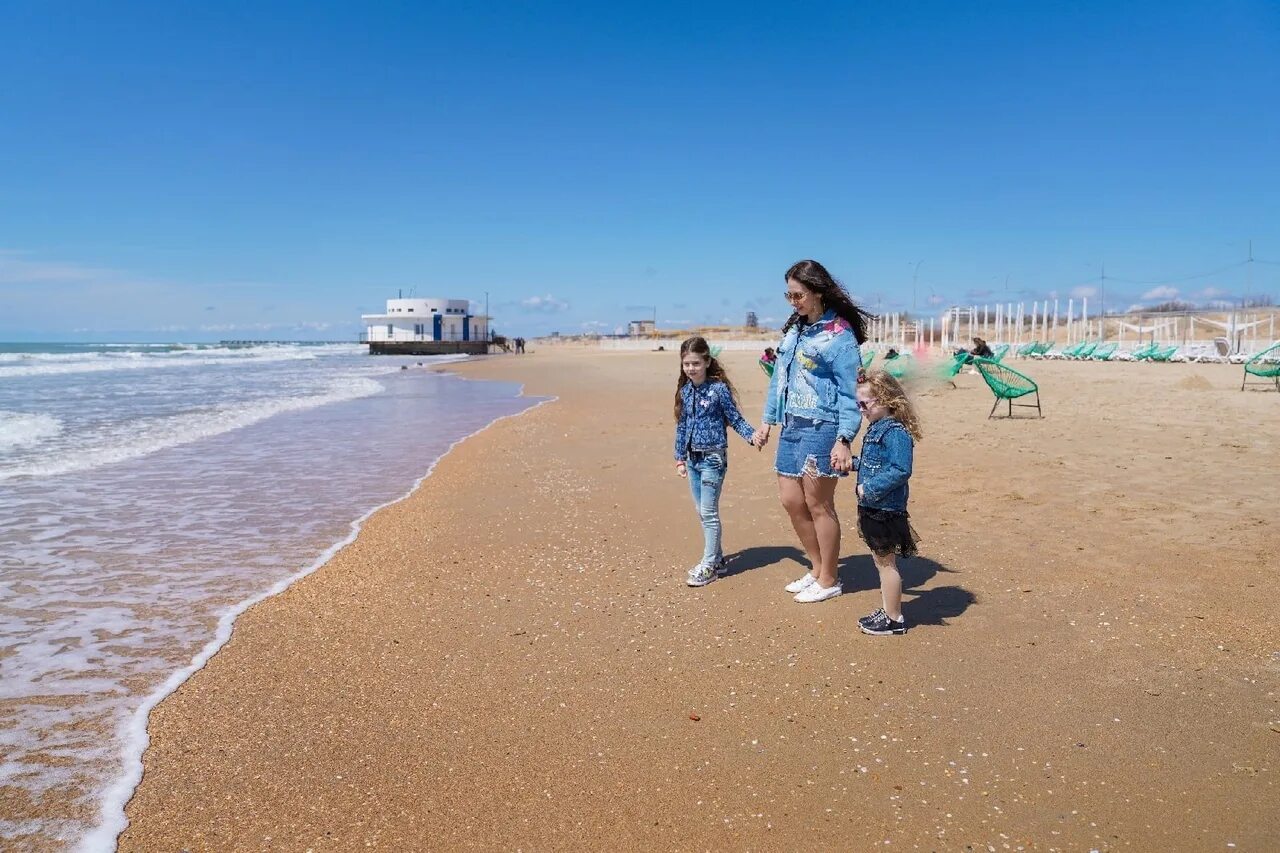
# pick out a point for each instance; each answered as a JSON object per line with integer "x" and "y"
{"x": 882, "y": 625}
{"x": 872, "y": 616}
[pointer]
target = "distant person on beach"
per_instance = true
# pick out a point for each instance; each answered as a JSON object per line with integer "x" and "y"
{"x": 891, "y": 354}
{"x": 812, "y": 395}
{"x": 705, "y": 401}
{"x": 980, "y": 349}
{"x": 769, "y": 356}
{"x": 883, "y": 473}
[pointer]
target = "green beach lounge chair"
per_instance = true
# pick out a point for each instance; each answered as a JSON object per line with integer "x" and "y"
{"x": 1027, "y": 349}
{"x": 1144, "y": 352}
{"x": 1085, "y": 351}
{"x": 1265, "y": 365}
{"x": 1163, "y": 354}
{"x": 867, "y": 359}
{"x": 767, "y": 367}
{"x": 1008, "y": 384}
{"x": 1104, "y": 352}
{"x": 1000, "y": 352}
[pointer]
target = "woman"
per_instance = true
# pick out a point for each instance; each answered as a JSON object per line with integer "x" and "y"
{"x": 812, "y": 395}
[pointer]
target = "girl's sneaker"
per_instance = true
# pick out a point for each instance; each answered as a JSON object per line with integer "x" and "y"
{"x": 883, "y": 625}
{"x": 701, "y": 575}
{"x": 817, "y": 592}
{"x": 801, "y": 583}
{"x": 871, "y": 617}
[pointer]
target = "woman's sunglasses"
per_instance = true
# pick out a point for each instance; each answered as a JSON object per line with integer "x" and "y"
{"x": 793, "y": 297}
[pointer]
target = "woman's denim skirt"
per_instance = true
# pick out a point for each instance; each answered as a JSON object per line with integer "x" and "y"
{"x": 804, "y": 448}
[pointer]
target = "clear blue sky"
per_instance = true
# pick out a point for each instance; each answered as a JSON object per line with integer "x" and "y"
{"x": 194, "y": 171}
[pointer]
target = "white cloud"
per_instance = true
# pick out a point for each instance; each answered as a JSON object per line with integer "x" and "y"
{"x": 1053, "y": 294}
{"x": 1164, "y": 291}
{"x": 1084, "y": 292}
{"x": 1212, "y": 293}
{"x": 594, "y": 324}
{"x": 1137, "y": 306}
{"x": 547, "y": 304}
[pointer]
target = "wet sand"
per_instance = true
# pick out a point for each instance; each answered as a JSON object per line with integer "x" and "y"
{"x": 509, "y": 658}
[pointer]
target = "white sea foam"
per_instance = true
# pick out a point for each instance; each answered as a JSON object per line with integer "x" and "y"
{"x": 181, "y": 429}
{"x": 19, "y": 429}
{"x": 63, "y": 364}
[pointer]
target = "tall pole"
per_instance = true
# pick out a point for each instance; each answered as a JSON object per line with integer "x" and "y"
{"x": 913, "y": 285}
{"x": 488, "y": 332}
{"x": 1103, "y": 312}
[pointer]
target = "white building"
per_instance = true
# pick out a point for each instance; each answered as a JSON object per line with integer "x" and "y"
{"x": 421, "y": 320}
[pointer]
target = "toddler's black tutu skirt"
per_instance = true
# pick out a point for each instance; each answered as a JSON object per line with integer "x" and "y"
{"x": 887, "y": 532}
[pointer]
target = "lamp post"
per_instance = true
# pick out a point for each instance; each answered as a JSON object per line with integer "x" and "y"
{"x": 913, "y": 284}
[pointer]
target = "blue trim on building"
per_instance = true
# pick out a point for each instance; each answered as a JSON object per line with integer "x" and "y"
{"x": 437, "y": 327}
{"x": 466, "y": 327}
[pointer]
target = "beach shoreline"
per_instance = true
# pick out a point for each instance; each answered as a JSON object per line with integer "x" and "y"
{"x": 507, "y": 656}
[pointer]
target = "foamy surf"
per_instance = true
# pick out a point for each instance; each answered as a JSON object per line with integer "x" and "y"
{"x": 183, "y": 429}
{"x": 19, "y": 429}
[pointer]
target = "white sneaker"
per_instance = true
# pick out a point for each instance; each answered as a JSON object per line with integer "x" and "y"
{"x": 801, "y": 583}
{"x": 817, "y": 592}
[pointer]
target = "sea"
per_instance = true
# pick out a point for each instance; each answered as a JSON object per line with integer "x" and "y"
{"x": 149, "y": 493}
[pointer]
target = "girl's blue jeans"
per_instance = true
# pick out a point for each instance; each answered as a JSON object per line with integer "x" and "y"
{"x": 706, "y": 479}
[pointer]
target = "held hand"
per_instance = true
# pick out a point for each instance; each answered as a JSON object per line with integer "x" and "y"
{"x": 682, "y": 470}
{"x": 841, "y": 458}
{"x": 762, "y": 437}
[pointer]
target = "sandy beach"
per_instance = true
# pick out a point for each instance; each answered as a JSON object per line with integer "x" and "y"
{"x": 509, "y": 658}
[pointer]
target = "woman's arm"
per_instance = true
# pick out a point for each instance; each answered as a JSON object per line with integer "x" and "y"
{"x": 847, "y": 359}
{"x": 771, "y": 413}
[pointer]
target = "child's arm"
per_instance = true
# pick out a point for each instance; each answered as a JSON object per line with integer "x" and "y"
{"x": 896, "y": 471}
{"x": 732, "y": 416}
{"x": 682, "y": 433}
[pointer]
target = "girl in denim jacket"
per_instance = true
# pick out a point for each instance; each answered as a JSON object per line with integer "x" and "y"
{"x": 811, "y": 394}
{"x": 883, "y": 474}
{"x": 705, "y": 402}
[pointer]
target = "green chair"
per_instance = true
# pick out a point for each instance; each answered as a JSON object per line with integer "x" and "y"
{"x": 1144, "y": 352}
{"x": 715, "y": 351}
{"x": 1085, "y": 351}
{"x": 1265, "y": 365}
{"x": 867, "y": 359}
{"x": 1070, "y": 352}
{"x": 767, "y": 367}
{"x": 1104, "y": 352}
{"x": 900, "y": 367}
{"x": 1008, "y": 384}
{"x": 1000, "y": 352}
{"x": 1027, "y": 349}
{"x": 1163, "y": 354}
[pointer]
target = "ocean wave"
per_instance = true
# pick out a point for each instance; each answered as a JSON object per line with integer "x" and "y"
{"x": 191, "y": 426}
{"x": 19, "y": 429}
{"x": 61, "y": 364}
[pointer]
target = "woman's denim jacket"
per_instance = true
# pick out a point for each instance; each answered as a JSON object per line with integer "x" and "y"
{"x": 885, "y": 466}
{"x": 816, "y": 376}
{"x": 704, "y": 409}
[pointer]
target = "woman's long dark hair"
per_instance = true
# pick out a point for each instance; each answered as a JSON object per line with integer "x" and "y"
{"x": 715, "y": 370}
{"x": 814, "y": 277}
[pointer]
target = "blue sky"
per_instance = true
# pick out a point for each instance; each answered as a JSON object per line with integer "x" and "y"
{"x": 200, "y": 171}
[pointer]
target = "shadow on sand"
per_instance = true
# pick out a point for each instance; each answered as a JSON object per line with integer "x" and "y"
{"x": 858, "y": 574}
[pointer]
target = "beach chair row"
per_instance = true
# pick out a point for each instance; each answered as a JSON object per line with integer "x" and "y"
{"x": 1098, "y": 351}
